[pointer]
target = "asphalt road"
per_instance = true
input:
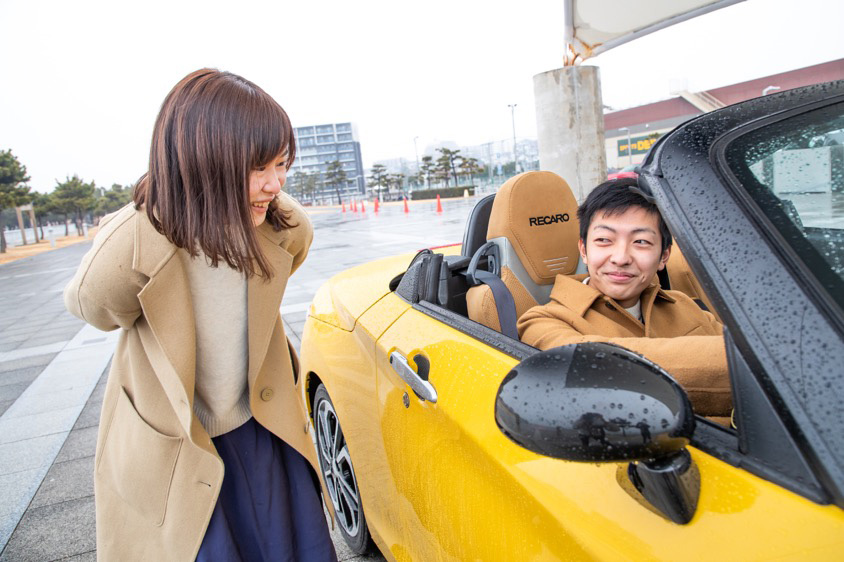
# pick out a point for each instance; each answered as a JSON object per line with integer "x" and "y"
{"x": 48, "y": 437}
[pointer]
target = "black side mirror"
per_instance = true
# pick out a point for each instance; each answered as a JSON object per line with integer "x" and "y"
{"x": 594, "y": 402}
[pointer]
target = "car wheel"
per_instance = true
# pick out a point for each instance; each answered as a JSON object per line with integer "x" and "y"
{"x": 339, "y": 474}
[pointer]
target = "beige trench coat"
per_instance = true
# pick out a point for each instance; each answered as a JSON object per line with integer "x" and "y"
{"x": 157, "y": 473}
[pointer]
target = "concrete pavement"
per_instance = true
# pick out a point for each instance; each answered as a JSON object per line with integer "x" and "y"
{"x": 53, "y": 370}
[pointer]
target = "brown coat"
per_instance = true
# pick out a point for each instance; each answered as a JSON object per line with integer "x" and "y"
{"x": 157, "y": 473}
{"x": 677, "y": 335}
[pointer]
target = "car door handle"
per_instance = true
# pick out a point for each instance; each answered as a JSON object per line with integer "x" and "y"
{"x": 420, "y": 386}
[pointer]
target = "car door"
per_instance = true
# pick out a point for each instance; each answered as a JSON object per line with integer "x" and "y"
{"x": 452, "y": 493}
{"x": 460, "y": 490}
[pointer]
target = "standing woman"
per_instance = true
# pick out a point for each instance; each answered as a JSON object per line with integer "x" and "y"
{"x": 203, "y": 448}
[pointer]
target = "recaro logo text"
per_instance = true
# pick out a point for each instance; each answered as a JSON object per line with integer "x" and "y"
{"x": 541, "y": 221}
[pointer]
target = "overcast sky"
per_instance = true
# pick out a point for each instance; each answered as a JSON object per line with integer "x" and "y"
{"x": 82, "y": 80}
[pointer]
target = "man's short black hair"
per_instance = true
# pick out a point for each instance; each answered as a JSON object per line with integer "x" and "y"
{"x": 615, "y": 197}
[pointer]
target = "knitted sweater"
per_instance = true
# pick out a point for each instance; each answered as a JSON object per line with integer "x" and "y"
{"x": 221, "y": 394}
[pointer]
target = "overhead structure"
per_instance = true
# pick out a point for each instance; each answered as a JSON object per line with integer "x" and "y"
{"x": 595, "y": 26}
{"x": 569, "y": 109}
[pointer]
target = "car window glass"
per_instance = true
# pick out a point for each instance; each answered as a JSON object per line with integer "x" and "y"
{"x": 794, "y": 170}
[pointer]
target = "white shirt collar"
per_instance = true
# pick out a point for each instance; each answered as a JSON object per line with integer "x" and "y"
{"x": 635, "y": 310}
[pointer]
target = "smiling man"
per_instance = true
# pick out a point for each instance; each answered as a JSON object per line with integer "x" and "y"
{"x": 624, "y": 242}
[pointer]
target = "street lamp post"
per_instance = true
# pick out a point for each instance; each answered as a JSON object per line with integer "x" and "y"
{"x": 416, "y": 151}
{"x": 629, "y": 148}
{"x": 489, "y": 163}
{"x": 512, "y": 107}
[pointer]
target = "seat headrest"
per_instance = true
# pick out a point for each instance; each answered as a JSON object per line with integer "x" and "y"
{"x": 537, "y": 213}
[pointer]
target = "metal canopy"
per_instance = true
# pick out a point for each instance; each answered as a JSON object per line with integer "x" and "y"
{"x": 595, "y": 26}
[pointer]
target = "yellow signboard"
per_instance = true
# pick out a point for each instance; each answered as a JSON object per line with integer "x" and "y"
{"x": 639, "y": 145}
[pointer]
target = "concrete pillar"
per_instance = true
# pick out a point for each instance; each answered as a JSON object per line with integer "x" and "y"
{"x": 29, "y": 209}
{"x": 21, "y": 226}
{"x": 570, "y": 126}
{"x": 34, "y": 224}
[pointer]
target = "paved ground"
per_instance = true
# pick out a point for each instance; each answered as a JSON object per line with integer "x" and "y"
{"x": 52, "y": 372}
{"x": 53, "y": 238}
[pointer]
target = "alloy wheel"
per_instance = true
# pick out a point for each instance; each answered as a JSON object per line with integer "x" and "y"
{"x": 336, "y": 465}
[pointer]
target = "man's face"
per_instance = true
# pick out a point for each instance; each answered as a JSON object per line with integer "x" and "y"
{"x": 623, "y": 252}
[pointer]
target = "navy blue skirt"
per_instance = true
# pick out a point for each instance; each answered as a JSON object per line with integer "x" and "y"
{"x": 268, "y": 508}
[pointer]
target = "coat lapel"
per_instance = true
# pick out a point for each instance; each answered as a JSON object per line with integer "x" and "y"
{"x": 264, "y": 297}
{"x": 168, "y": 310}
{"x": 570, "y": 292}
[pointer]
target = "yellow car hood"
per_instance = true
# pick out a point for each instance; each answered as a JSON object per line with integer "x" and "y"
{"x": 347, "y": 295}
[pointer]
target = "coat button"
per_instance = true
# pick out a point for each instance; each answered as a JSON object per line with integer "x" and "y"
{"x": 267, "y": 394}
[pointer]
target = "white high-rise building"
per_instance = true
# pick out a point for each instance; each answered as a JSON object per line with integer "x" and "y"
{"x": 319, "y": 145}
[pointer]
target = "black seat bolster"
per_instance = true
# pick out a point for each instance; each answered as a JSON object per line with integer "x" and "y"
{"x": 476, "y": 226}
{"x": 451, "y": 293}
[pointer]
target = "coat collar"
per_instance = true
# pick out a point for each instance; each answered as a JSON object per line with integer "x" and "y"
{"x": 577, "y": 297}
{"x": 264, "y": 296}
{"x": 275, "y": 237}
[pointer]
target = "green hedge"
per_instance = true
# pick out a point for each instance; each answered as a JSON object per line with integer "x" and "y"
{"x": 443, "y": 192}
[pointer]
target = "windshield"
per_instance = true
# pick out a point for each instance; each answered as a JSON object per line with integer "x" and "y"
{"x": 794, "y": 170}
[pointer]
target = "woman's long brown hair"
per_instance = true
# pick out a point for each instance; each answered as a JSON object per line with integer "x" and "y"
{"x": 213, "y": 129}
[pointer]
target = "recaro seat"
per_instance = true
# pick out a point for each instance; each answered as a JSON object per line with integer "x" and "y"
{"x": 682, "y": 279}
{"x": 531, "y": 238}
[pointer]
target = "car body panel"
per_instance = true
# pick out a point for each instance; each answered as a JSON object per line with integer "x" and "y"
{"x": 343, "y": 360}
{"x": 350, "y": 293}
{"x": 441, "y": 482}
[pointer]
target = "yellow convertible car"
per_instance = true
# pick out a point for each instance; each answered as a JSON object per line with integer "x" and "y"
{"x": 443, "y": 437}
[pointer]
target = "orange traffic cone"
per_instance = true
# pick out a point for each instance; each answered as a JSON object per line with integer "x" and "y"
{"x": 439, "y": 204}
{"x": 363, "y": 206}
{"x": 376, "y": 204}
{"x": 343, "y": 207}
{"x": 354, "y": 205}
{"x": 406, "y": 208}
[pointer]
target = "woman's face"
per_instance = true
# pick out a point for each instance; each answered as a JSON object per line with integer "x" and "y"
{"x": 264, "y": 184}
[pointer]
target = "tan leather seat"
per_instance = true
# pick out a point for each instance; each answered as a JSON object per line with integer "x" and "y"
{"x": 682, "y": 279}
{"x": 534, "y": 225}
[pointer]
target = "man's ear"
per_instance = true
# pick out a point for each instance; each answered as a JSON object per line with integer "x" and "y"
{"x": 582, "y": 249}
{"x": 666, "y": 253}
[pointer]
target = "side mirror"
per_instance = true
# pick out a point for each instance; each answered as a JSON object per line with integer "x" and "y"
{"x": 594, "y": 402}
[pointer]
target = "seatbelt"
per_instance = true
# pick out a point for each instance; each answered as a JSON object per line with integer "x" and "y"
{"x": 505, "y": 305}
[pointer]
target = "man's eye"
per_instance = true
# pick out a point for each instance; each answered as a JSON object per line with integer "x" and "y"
{"x": 260, "y": 168}
{"x": 282, "y": 163}
{"x": 644, "y": 242}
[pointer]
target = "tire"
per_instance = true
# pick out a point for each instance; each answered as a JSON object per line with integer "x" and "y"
{"x": 339, "y": 474}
